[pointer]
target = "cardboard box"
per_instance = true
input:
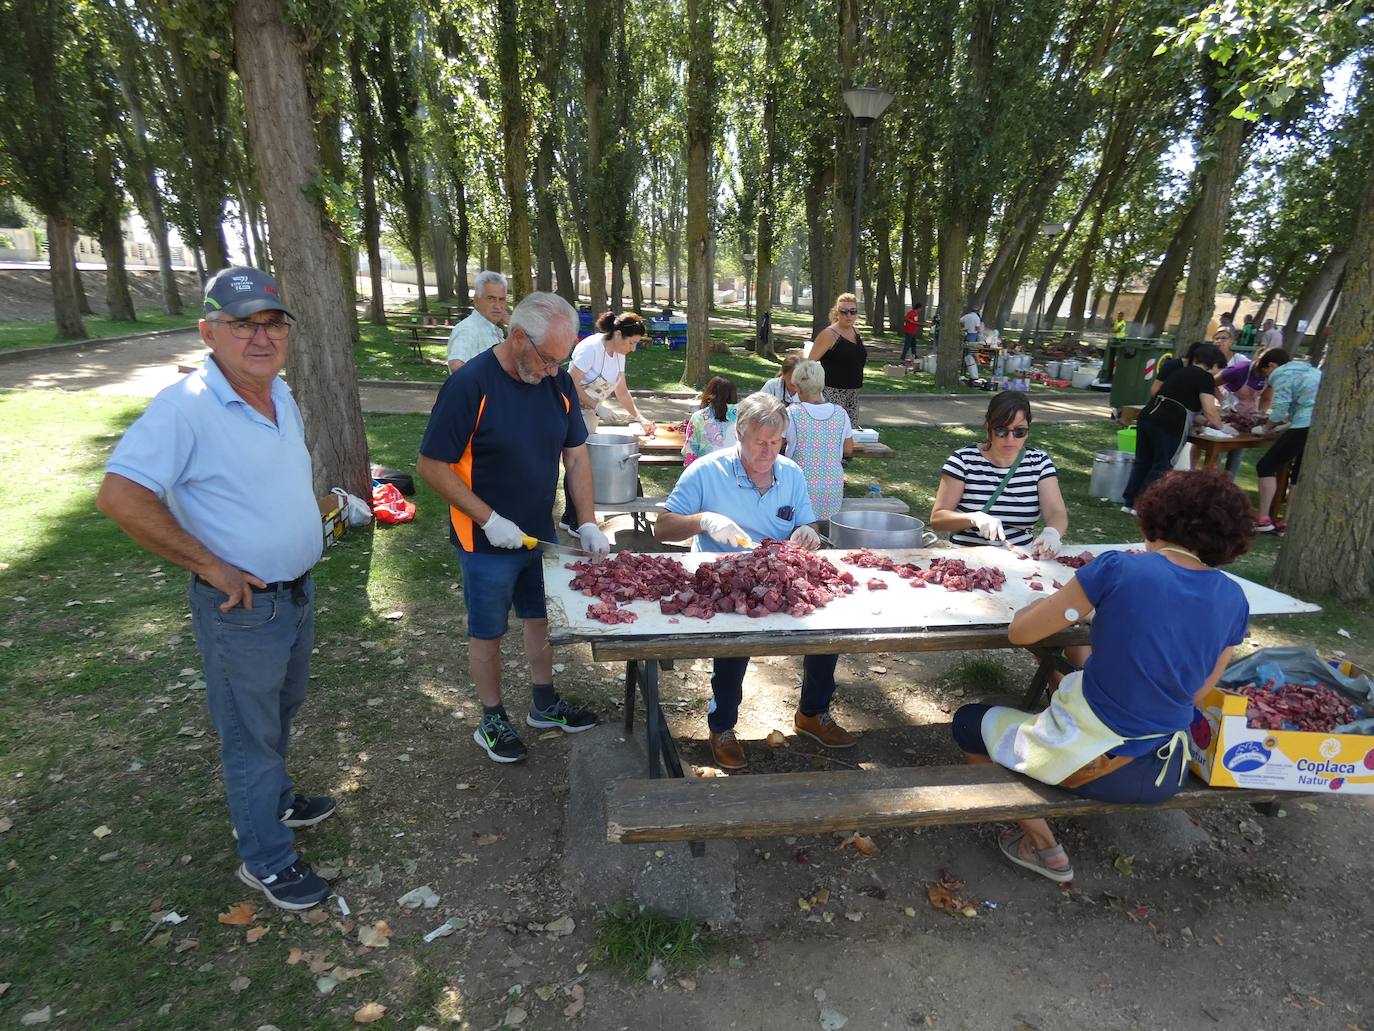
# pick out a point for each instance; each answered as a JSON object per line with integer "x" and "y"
{"x": 1228, "y": 754}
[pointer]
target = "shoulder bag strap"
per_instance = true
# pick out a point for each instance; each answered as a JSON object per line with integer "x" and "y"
{"x": 987, "y": 505}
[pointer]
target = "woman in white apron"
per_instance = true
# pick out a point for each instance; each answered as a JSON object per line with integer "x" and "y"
{"x": 1163, "y": 626}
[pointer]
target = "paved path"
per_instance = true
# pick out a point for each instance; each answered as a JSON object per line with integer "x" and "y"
{"x": 140, "y": 368}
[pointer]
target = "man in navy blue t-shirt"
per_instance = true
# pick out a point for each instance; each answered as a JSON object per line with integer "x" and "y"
{"x": 495, "y": 437}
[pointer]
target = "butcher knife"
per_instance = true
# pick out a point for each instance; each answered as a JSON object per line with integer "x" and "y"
{"x": 557, "y": 549}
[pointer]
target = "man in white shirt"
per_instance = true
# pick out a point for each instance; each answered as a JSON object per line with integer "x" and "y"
{"x": 1272, "y": 335}
{"x": 972, "y": 324}
{"x": 481, "y": 329}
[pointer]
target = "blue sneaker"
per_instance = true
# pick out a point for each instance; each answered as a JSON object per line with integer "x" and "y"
{"x": 562, "y": 715}
{"x": 296, "y": 887}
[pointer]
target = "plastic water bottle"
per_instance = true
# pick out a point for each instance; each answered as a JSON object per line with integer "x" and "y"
{"x": 874, "y": 491}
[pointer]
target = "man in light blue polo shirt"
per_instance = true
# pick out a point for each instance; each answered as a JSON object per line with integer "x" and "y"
{"x": 215, "y": 476}
{"x": 729, "y": 501}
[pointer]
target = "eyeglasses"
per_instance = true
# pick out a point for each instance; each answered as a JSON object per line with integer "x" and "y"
{"x": 1020, "y": 433}
{"x": 849, "y": 311}
{"x": 549, "y": 364}
{"x": 247, "y": 329}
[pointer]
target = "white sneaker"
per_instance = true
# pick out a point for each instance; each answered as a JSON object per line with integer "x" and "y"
{"x": 1128, "y": 509}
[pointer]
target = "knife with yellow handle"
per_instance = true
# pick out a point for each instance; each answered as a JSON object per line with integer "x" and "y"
{"x": 531, "y": 543}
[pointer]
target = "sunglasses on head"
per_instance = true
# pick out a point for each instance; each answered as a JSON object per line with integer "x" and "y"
{"x": 1020, "y": 433}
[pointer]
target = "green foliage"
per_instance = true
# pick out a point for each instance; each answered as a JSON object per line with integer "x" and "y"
{"x": 629, "y": 940}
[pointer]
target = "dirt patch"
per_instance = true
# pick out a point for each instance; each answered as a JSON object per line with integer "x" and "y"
{"x": 27, "y": 293}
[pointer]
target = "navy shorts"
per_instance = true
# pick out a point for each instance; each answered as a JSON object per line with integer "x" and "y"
{"x": 1134, "y": 782}
{"x": 494, "y": 583}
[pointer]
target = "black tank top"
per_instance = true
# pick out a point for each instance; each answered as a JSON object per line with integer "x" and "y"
{"x": 844, "y": 363}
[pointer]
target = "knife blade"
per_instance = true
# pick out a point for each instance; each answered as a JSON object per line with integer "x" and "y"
{"x": 559, "y": 549}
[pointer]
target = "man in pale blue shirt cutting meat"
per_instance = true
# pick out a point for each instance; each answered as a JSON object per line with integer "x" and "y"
{"x": 215, "y": 476}
{"x": 728, "y": 501}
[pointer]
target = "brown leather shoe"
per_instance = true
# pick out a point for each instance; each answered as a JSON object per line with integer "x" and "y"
{"x": 824, "y": 729}
{"x": 728, "y": 751}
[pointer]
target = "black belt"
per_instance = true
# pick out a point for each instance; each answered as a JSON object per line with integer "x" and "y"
{"x": 274, "y": 587}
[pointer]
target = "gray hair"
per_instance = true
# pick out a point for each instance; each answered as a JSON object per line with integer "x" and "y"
{"x": 808, "y": 377}
{"x": 537, "y": 311}
{"x": 758, "y": 410}
{"x": 485, "y": 277}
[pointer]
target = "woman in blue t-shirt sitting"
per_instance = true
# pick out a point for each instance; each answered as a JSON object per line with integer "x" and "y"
{"x": 1117, "y": 729}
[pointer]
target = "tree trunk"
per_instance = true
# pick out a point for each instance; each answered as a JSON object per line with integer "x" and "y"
{"x": 636, "y": 280}
{"x": 775, "y": 13}
{"x": 366, "y": 132}
{"x": 817, "y": 183}
{"x": 700, "y": 137}
{"x": 893, "y": 312}
{"x": 845, "y": 163}
{"x": 464, "y": 242}
{"x": 117, "y": 296}
{"x": 1309, "y": 299}
{"x": 1158, "y": 302}
{"x": 320, "y": 357}
{"x": 904, "y": 245}
{"x": 616, "y": 296}
{"x": 493, "y": 254}
{"x": 1275, "y": 286}
{"x": 873, "y": 303}
{"x": 796, "y": 274}
{"x": 515, "y": 131}
{"x": 925, "y": 242}
{"x": 441, "y": 251}
{"x": 953, "y": 245}
{"x": 1321, "y": 335}
{"x": 1329, "y": 548}
{"x": 83, "y": 303}
{"x": 61, "y": 274}
{"x": 1200, "y": 295}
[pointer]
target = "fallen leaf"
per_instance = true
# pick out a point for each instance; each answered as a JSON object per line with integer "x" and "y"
{"x": 1123, "y": 864}
{"x": 102, "y": 831}
{"x": 1309, "y": 806}
{"x": 853, "y": 916}
{"x": 877, "y": 669}
{"x": 34, "y": 1017}
{"x": 4, "y": 987}
{"x": 908, "y": 911}
{"x": 942, "y": 899}
{"x": 317, "y": 962}
{"x": 293, "y": 956}
{"x": 394, "y": 615}
{"x": 968, "y": 911}
{"x": 687, "y": 984}
{"x": 240, "y": 914}
{"x": 488, "y": 839}
{"x": 375, "y": 935}
{"x": 239, "y": 984}
{"x": 348, "y": 973}
{"x": 186, "y": 945}
{"x": 325, "y": 985}
{"x": 707, "y": 771}
{"x": 579, "y": 998}
{"x": 1344, "y": 633}
{"x": 862, "y": 843}
{"x": 5, "y": 824}
{"x": 256, "y": 935}
{"x": 832, "y": 1020}
{"x": 368, "y": 1013}
{"x": 422, "y": 897}
{"x": 515, "y": 1016}
{"x": 561, "y": 928}
{"x": 314, "y": 917}
{"x": 776, "y": 739}
{"x": 804, "y": 903}
{"x": 545, "y": 992}
{"x": 823, "y": 896}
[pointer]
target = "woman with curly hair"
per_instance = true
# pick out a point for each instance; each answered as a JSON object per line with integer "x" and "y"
{"x": 1116, "y": 730}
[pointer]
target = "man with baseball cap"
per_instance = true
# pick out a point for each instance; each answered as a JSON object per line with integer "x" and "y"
{"x": 215, "y": 476}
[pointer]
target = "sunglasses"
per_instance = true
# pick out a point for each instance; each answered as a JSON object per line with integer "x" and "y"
{"x": 849, "y": 311}
{"x": 1020, "y": 433}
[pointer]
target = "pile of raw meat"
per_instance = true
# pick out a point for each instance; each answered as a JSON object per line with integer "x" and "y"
{"x": 1076, "y": 561}
{"x": 1243, "y": 422}
{"x": 777, "y": 576}
{"x": 953, "y": 574}
{"x": 1311, "y": 707}
{"x": 626, "y": 577}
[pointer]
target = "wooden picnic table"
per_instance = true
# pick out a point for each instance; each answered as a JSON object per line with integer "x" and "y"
{"x": 929, "y": 620}
{"x": 1206, "y": 451}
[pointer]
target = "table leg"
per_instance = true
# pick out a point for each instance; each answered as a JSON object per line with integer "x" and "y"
{"x": 631, "y": 689}
{"x": 654, "y": 727}
{"x": 1041, "y": 680}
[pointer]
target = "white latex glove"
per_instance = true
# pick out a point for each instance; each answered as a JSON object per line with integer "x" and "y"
{"x": 604, "y": 413}
{"x": 502, "y": 533}
{"x": 648, "y": 426}
{"x": 1047, "y": 544}
{"x": 593, "y": 540}
{"x": 806, "y": 536}
{"x": 723, "y": 530}
{"x": 988, "y": 526}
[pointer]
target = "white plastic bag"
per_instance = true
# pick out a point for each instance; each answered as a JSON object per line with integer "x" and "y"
{"x": 354, "y": 509}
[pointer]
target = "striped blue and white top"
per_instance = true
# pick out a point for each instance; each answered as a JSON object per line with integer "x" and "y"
{"x": 1019, "y": 505}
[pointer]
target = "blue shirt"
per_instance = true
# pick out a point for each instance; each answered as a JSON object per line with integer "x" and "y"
{"x": 1157, "y": 632}
{"x": 503, "y": 438}
{"x": 718, "y": 483}
{"x": 1295, "y": 386}
{"x": 234, "y": 480}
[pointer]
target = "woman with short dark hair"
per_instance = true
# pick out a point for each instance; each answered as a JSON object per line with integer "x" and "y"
{"x": 712, "y": 426}
{"x": 997, "y": 490}
{"x": 1116, "y": 730}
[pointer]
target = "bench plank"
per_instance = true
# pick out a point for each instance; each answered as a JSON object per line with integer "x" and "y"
{"x": 769, "y": 805}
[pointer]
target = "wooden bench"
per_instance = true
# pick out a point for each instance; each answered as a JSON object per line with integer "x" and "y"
{"x": 774, "y": 804}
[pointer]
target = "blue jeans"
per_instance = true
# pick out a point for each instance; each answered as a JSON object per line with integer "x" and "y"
{"x": 908, "y": 346}
{"x": 727, "y": 689}
{"x": 1155, "y": 447}
{"x": 493, "y": 582}
{"x": 257, "y": 663}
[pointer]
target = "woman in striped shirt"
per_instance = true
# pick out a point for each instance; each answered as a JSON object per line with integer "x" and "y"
{"x": 969, "y": 504}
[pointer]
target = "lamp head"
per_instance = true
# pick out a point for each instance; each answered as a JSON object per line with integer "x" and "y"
{"x": 866, "y": 103}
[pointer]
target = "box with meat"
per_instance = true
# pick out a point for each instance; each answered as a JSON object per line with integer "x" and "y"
{"x": 1286, "y": 729}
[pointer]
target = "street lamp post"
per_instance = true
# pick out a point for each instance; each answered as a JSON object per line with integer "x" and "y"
{"x": 865, "y": 104}
{"x": 748, "y": 279}
{"x": 1050, "y": 230}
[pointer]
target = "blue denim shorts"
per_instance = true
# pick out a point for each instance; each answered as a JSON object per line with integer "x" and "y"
{"x": 493, "y": 583}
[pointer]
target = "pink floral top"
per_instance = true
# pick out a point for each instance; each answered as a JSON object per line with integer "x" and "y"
{"x": 706, "y": 434}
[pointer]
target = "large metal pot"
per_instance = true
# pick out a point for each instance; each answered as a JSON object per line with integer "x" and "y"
{"x": 860, "y": 529}
{"x": 1111, "y": 473}
{"x": 615, "y": 467}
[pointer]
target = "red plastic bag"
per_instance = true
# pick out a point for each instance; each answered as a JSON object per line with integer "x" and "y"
{"x": 389, "y": 506}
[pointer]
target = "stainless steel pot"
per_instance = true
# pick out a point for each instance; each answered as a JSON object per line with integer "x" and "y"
{"x": 1111, "y": 473}
{"x": 615, "y": 467}
{"x": 859, "y": 529}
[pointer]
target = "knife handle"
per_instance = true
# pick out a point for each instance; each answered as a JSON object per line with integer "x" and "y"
{"x": 530, "y": 543}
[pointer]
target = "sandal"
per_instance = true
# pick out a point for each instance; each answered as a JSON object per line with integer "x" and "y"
{"x": 1011, "y": 848}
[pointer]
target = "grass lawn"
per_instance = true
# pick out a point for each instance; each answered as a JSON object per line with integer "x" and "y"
{"x": 112, "y": 807}
{"x": 16, "y": 334}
